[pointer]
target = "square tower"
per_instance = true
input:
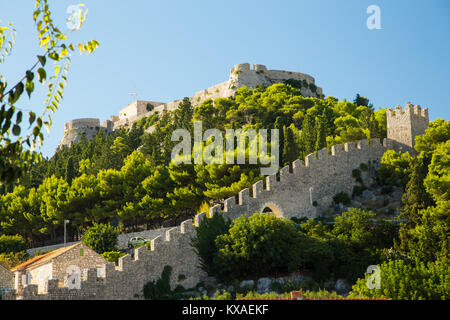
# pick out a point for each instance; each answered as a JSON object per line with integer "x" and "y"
{"x": 404, "y": 125}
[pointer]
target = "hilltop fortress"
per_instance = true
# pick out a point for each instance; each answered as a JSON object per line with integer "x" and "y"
{"x": 240, "y": 75}
{"x": 301, "y": 189}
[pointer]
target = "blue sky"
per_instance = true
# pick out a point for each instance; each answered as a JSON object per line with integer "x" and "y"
{"x": 166, "y": 50}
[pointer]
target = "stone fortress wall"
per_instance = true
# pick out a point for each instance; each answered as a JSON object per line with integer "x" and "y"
{"x": 287, "y": 196}
{"x": 74, "y": 129}
{"x": 240, "y": 75}
{"x": 301, "y": 189}
{"x": 126, "y": 280}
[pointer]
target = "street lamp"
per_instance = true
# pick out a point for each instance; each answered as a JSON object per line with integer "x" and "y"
{"x": 65, "y": 222}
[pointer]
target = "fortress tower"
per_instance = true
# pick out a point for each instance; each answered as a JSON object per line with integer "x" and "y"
{"x": 404, "y": 125}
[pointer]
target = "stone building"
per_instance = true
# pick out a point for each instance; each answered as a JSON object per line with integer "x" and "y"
{"x": 54, "y": 265}
{"x": 240, "y": 75}
{"x": 6, "y": 279}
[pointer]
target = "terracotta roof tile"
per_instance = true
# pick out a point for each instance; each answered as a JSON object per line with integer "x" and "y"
{"x": 46, "y": 257}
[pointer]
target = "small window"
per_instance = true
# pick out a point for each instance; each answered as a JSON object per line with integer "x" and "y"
{"x": 81, "y": 252}
{"x": 41, "y": 275}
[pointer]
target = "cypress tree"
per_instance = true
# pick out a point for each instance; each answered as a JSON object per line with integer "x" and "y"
{"x": 309, "y": 134}
{"x": 290, "y": 149}
{"x": 321, "y": 141}
{"x": 70, "y": 171}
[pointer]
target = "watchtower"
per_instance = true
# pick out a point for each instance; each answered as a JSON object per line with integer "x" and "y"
{"x": 404, "y": 125}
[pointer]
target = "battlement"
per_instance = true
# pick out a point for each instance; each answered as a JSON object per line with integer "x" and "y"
{"x": 409, "y": 111}
{"x": 312, "y": 183}
{"x": 296, "y": 180}
{"x": 127, "y": 279}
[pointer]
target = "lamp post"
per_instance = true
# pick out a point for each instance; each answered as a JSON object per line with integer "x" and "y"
{"x": 65, "y": 222}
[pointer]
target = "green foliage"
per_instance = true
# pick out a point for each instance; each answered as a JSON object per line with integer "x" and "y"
{"x": 403, "y": 281}
{"x": 12, "y": 259}
{"x": 160, "y": 289}
{"x": 204, "y": 243}
{"x": 358, "y": 190}
{"x": 112, "y": 256}
{"x": 395, "y": 168}
{"x": 321, "y": 294}
{"x": 258, "y": 245}
{"x": 12, "y": 244}
{"x": 437, "y": 181}
{"x": 101, "y": 238}
{"x": 15, "y": 154}
{"x": 218, "y": 295}
{"x": 356, "y": 173}
{"x": 341, "y": 197}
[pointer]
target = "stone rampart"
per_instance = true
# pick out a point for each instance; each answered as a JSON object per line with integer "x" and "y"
{"x": 291, "y": 193}
{"x": 127, "y": 279}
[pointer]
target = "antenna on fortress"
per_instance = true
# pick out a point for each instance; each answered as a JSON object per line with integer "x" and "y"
{"x": 134, "y": 94}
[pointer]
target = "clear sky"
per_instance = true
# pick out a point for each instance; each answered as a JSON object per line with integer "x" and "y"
{"x": 166, "y": 50}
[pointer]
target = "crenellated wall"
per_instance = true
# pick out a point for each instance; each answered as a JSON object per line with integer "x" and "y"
{"x": 126, "y": 281}
{"x": 287, "y": 196}
{"x": 302, "y": 184}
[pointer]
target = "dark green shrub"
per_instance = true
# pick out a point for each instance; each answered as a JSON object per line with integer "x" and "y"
{"x": 101, "y": 238}
{"x": 160, "y": 289}
{"x": 294, "y": 83}
{"x": 259, "y": 245}
{"x": 9, "y": 244}
{"x": 363, "y": 167}
{"x": 356, "y": 173}
{"x": 341, "y": 197}
{"x": 387, "y": 189}
{"x": 204, "y": 243}
{"x": 358, "y": 190}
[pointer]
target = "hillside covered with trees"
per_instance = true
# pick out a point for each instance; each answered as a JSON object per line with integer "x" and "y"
{"x": 126, "y": 178}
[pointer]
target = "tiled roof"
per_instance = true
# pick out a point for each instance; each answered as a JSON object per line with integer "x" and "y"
{"x": 43, "y": 258}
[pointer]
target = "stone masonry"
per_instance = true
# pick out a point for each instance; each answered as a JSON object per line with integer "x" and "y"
{"x": 404, "y": 125}
{"x": 240, "y": 75}
{"x": 299, "y": 190}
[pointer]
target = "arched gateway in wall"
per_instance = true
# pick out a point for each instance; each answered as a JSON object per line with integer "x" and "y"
{"x": 304, "y": 189}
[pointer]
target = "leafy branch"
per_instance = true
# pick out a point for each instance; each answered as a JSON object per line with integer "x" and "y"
{"x": 14, "y": 159}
